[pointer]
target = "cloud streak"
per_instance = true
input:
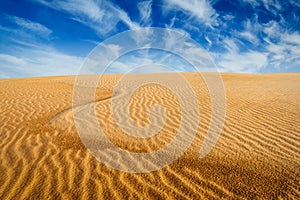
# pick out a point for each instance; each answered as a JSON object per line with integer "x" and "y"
{"x": 29, "y": 26}
{"x": 145, "y": 10}
{"x": 38, "y": 62}
{"x": 201, "y": 9}
{"x": 101, "y": 16}
{"x": 28, "y": 55}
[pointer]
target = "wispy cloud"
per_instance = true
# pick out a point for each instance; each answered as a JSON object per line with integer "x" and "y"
{"x": 253, "y": 3}
{"x": 273, "y": 47}
{"x": 38, "y": 62}
{"x": 28, "y": 54}
{"x": 249, "y": 62}
{"x": 144, "y": 62}
{"x": 284, "y": 53}
{"x": 201, "y": 9}
{"x": 145, "y": 10}
{"x": 236, "y": 59}
{"x": 270, "y": 5}
{"x": 294, "y": 3}
{"x": 282, "y": 44}
{"x": 101, "y": 16}
{"x": 5, "y": 58}
{"x": 31, "y": 27}
{"x": 263, "y": 39}
{"x": 249, "y": 33}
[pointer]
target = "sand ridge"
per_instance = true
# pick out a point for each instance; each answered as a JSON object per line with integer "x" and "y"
{"x": 257, "y": 154}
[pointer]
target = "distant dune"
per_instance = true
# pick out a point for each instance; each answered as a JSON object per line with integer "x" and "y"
{"x": 256, "y": 157}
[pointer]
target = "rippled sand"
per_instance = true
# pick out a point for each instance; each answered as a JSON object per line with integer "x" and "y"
{"x": 256, "y": 156}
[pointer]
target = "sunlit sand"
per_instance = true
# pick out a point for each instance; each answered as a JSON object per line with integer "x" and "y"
{"x": 256, "y": 156}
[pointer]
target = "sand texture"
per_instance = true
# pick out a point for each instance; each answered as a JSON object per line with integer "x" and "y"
{"x": 256, "y": 157}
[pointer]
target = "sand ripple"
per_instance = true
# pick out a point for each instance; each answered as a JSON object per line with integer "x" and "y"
{"x": 256, "y": 157}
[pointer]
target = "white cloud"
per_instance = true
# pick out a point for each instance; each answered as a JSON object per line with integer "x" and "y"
{"x": 250, "y": 31}
{"x": 113, "y": 49}
{"x": 145, "y": 62}
{"x": 43, "y": 61}
{"x": 172, "y": 22}
{"x": 101, "y": 16}
{"x": 5, "y": 58}
{"x": 30, "y": 26}
{"x": 283, "y": 45}
{"x": 293, "y": 38}
{"x": 238, "y": 57}
{"x": 249, "y": 36}
{"x": 249, "y": 62}
{"x": 126, "y": 19}
{"x": 271, "y": 5}
{"x": 208, "y": 41}
{"x": 230, "y": 45}
{"x": 253, "y": 3}
{"x": 286, "y": 52}
{"x": 274, "y": 47}
{"x": 272, "y": 29}
{"x": 228, "y": 17}
{"x": 27, "y": 55}
{"x": 201, "y": 9}
{"x": 294, "y": 3}
{"x": 145, "y": 10}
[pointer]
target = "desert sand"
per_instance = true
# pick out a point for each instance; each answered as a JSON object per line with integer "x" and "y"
{"x": 256, "y": 157}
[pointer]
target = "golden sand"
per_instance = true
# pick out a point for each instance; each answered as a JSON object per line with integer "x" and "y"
{"x": 256, "y": 156}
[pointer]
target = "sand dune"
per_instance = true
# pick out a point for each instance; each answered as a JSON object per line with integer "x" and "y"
{"x": 256, "y": 157}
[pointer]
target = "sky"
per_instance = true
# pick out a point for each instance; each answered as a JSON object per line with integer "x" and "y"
{"x": 45, "y": 38}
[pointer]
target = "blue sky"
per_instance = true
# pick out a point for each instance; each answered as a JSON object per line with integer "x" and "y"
{"x": 44, "y": 38}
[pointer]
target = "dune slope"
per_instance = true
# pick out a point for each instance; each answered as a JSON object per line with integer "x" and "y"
{"x": 256, "y": 157}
